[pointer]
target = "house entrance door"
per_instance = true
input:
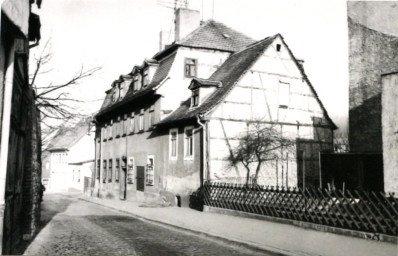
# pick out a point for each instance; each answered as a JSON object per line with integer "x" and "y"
{"x": 122, "y": 183}
{"x": 140, "y": 178}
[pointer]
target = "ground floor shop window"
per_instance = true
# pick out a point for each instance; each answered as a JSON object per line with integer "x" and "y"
{"x": 98, "y": 169}
{"x": 104, "y": 172}
{"x": 130, "y": 173}
{"x": 110, "y": 171}
{"x": 149, "y": 177}
{"x": 117, "y": 170}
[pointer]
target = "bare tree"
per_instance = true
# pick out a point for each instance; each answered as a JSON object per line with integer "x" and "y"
{"x": 261, "y": 144}
{"x": 55, "y": 103}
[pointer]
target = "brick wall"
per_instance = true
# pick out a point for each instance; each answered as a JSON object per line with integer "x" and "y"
{"x": 371, "y": 54}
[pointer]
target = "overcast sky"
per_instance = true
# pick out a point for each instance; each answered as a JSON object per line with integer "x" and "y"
{"x": 117, "y": 34}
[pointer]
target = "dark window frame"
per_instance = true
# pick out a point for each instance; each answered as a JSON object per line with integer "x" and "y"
{"x": 190, "y": 67}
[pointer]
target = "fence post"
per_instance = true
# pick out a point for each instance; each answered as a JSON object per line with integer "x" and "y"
{"x": 304, "y": 169}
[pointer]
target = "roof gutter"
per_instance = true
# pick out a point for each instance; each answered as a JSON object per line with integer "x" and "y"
{"x": 205, "y": 149}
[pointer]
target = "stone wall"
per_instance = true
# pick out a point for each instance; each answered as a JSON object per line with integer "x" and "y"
{"x": 371, "y": 54}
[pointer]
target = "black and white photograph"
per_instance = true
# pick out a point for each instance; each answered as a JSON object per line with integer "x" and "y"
{"x": 199, "y": 127}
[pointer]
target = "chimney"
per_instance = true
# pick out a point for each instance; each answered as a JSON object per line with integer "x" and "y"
{"x": 165, "y": 38}
{"x": 186, "y": 21}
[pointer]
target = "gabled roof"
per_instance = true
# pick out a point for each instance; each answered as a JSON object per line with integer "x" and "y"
{"x": 212, "y": 35}
{"x": 161, "y": 74}
{"x": 198, "y": 82}
{"x": 229, "y": 74}
{"x": 67, "y": 136}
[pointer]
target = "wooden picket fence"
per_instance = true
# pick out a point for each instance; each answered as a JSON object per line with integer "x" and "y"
{"x": 367, "y": 211}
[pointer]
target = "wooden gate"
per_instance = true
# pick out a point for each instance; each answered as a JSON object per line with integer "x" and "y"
{"x": 21, "y": 101}
{"x": 308, "y": 151}
{"x": 141, "y": 178}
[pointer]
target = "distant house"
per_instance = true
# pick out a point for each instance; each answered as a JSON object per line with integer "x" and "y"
{"x": 169, "y": 124}
{"x": 68, "y": 160}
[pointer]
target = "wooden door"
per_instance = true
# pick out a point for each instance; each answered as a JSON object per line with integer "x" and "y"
{"x": 141, "y": 178}
{"x": 20, "y": 107}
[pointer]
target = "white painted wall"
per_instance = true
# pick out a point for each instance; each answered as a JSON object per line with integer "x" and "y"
{"x": 175, "y": 90}
{"x": 256, "y": 97}
{"x": 389, "y": 132}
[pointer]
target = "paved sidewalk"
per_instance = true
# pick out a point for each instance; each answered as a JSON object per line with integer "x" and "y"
{"x": 275, "y": 237}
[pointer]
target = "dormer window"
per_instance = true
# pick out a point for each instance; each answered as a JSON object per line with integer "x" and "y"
{"x": 114, "y": 95}
{"x": 195, "y": 98}
{"x": 145, "y": 78}
{"x": 137, "y": 82}
{"x": 191, "y": 67}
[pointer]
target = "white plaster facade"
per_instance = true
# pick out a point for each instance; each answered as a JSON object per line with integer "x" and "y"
{"x": 390, "y": 132}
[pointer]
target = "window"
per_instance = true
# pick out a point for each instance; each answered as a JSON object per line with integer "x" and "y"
{"x": 104, "y": 130}
{"x": 78, "y": 177}
{"x": 141, "y": 120}
{"x": 151, "y": 116}
{"x": 278, "y": 47}
{"x": 195, "y": 98}
{"x": 117, "y": 170}
{"x": 125, "y": 124}
{"x": 150, "y": 173}
{"x": 283, "y": 94}
{"x": 110, "y": 171}
{"x": 117, "y": 127}
{"x": 188, "y": 143}
{"x": 145, "y": 78}
{"x": 190, "y": 67}
{"x": 137, "y": 82}
{"x": 104, "y": 172}
{"x": 130, "y": 172}
{"x": 114, "y": 94}
{"x": 173, "y": 143}
{"x": 110, "y": 129}
{"x": 131, "y": 123}
{"x": 98, "y": 169}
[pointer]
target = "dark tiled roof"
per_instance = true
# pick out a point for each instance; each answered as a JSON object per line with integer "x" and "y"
{"x": 161, "y": 73}
{"x": 66, "y": 137}
{"x": 198, "y": 82}
{"x": 215, "y": 35}
{"x": 228, "y": 74}
{"x": 212, "y": 35}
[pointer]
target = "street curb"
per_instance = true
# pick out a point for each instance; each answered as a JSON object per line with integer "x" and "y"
{"x": 306, "y": 225}
{"x": 227, "y": 240}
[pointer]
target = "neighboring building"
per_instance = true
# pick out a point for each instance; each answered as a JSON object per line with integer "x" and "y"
{"x": 389, "y": 111}
{"x": 20, "y": 171}
{"x": 169, "y": 124}
{"x": 68, "y": 160}
{"x": 372, "y": 53}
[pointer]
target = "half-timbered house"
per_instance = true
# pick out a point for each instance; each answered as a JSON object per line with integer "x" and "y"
{"x": 169, "y": 124}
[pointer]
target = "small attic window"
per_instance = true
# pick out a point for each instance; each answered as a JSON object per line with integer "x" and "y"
{"x": 278, "y": 47}
{"x": 226, "y": 35}
{"x": 195, "y": 98}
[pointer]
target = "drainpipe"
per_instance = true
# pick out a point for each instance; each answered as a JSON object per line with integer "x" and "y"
{"x": 5, "y": 132}
{"x": 204, "y": 146}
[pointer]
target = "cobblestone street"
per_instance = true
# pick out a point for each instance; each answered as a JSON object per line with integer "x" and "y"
{"x": 76, "y": 227}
